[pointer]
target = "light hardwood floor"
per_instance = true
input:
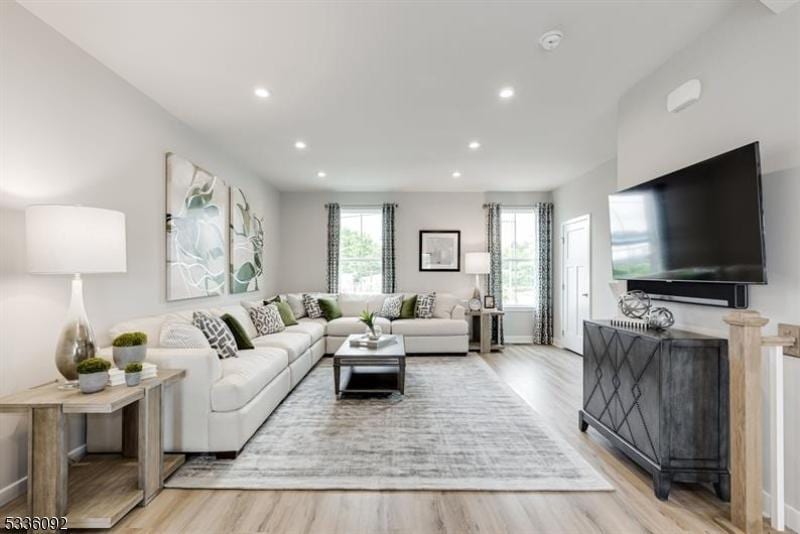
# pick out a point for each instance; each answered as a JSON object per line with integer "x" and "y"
{"x": 549, "y": 379}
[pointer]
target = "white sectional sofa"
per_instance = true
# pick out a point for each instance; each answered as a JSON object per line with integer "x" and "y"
{"x": 221, "y": 403}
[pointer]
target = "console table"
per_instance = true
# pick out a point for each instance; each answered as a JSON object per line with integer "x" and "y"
{"x": 99, "y": 489}
{"x": 662, "y": 398}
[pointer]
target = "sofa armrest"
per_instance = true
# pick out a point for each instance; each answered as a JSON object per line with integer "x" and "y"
{"x": 187, "y": 403}
{"x": 458, "y": 313}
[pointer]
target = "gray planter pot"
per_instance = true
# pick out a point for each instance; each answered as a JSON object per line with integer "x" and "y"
{"x": 133, "y": 379}
{"x": 93, "y": 382}
{"x": 125, "y": 355}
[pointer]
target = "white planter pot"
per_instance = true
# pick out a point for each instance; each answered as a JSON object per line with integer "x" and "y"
{"x": 125, "y": 355}
{"x": 133, "y": 379}
{"x": 93, "y": 382}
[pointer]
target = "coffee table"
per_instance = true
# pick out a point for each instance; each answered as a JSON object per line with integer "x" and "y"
{"x": 363, "y": 370}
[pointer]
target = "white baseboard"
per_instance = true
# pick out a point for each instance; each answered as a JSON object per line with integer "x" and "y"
{"x": 518, "y": 340}
{"x": 18, "y": 487}
{"x": 557, "y": 343}
{"x": 792, "y": 514}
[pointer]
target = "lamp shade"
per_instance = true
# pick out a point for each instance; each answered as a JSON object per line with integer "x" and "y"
{"x": 75, "y": 240}
{"x": 476, "y": 263}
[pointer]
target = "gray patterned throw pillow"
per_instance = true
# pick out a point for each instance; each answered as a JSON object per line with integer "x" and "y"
{"x": 217, "y": 333}
{"x": 425, "y": 303}
{"x": 391, "y": 307}
{"x": 267, "y": 319}
{"x": 311, "y": 304}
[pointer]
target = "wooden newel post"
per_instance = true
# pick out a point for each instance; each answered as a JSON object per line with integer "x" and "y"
{"x": 744, "y": 354}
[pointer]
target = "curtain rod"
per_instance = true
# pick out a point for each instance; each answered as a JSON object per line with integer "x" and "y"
{"x": 533, "y": 205}
{"x": 377, "y": 206}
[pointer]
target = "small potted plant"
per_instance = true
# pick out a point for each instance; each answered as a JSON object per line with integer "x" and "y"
{"x": 129, "y": 347}
{"x": 93, "y": 374}
{"x": 133, "y": 373}
{"x": 373, "y": 330}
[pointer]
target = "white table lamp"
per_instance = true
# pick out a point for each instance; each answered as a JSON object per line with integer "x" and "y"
{"x": 74, "y": 240}
{"x": 477, "y": 263}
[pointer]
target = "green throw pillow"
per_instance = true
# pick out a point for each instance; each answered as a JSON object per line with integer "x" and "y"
{"x": 409, "y": 305}
{"x": 330, "y": 309}
{"x": 242, "y": 339}
{"x": 287, "y": 316}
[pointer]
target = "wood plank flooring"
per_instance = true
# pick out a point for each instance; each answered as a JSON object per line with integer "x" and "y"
{"x": 549, "y": 379}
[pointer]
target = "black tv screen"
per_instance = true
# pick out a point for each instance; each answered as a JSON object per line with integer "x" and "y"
{"x": 702, "y": 223}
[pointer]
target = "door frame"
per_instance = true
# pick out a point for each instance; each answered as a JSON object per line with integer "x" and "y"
{"x": 588, "y": 218}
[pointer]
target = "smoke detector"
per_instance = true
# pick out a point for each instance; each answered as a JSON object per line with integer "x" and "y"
{"x": 550, "y": 40}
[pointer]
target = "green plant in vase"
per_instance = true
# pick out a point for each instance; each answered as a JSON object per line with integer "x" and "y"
{"x": 133, "y": 373}
{"x": 368, "y": 318}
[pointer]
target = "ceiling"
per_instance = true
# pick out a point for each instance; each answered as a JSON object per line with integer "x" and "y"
{"x": 387, "y": 95}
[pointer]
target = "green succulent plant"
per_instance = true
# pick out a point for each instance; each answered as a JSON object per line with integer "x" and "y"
{"x": 133, "y": 367}
{"x": 368, "y": 318}
{"x": 93, "y": 365}
{"x": 130, "y": 339}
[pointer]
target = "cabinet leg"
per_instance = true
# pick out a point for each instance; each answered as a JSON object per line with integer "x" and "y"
{"x": 662, "y": 483}
{"x": 723, "y": 487}
{"x": 582, "y": 425}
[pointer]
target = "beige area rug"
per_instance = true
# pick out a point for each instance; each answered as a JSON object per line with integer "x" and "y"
{"x": 459, "y": 427}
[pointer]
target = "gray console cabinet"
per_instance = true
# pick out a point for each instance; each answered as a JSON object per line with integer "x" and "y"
{"x": 662, "y": 398}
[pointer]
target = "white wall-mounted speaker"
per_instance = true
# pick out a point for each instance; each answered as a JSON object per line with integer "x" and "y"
{"x": 684, "y": 96}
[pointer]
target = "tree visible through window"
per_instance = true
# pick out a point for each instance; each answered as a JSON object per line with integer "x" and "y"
{"x": 360, "y": 247}
{"x": 518, "y": 256}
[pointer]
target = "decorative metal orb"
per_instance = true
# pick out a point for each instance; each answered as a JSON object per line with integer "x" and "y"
{"x": 635, "y": 304}
{"x": 660, "y": 319}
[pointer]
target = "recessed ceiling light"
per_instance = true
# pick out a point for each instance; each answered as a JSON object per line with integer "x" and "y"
{"x": 474, "y": 145}
{"x": 456, "y": 174}
{"x": 300, "y": 145}
{"x": 261, "y": 92}
{"x": 321, "y": 174}
{"x": 550, "y": 40}
{"x": 506, "y": 92}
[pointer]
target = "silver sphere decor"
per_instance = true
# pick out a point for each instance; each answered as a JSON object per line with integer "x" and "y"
{"x": 634, "y": 304}
{"x": 660, "y": 319}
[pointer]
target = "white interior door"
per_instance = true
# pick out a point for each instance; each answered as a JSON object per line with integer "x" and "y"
{"x": 576, "y": 276}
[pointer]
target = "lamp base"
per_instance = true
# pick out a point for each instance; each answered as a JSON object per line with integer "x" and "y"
{"x": 76, "y": 341}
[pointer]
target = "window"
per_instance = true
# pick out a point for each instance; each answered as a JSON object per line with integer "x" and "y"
{"x": 360, "y": 246}
{"x": 518, "y": 256}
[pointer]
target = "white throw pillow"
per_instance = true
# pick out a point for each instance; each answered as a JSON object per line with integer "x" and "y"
{"x": 267, "y": 320}
{"x": 296, "y": 304}
{"x": 391, "y": 307}
{"x": 182, "y": 336}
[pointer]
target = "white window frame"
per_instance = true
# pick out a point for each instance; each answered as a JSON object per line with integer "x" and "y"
{"x": 518, "y": 209}
{"x": 360, "y": 210}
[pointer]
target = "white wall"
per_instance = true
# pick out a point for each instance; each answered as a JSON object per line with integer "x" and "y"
{"x": 74, "y": 132}
{"x": 749, "y": 65}
{"x": 303, "y": 252}
{"x": 587, "y": 194}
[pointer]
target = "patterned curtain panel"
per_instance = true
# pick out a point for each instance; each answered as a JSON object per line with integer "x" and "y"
{"x": 495, "y": 286}
{"x": 334, "y": 222}
{"x": 388, "y": 264}
{"x": 543, "y": 314}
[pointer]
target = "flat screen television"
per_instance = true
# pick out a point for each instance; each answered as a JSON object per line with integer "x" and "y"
{"x": 702, "y": 223}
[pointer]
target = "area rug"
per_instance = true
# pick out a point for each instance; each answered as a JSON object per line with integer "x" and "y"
{"x": 458, "y": 427}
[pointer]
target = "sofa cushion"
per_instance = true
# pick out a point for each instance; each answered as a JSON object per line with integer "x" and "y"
{"x": 244, "y": 377}
{"x": 238, "y": 312}
{"x": 294, "y": 343}
{"x": 267, "y": 319}
{"x": 344, "y": 326}
{"x": 217, "y": 333}
{"x": 443, "y": 307}
{"x": 425, "y": 305}
{"x": 408, "y": 307}
{"x": 149, "y": 325}
{"x": 287, "y": 315}
{"x": 430, "y": 327}
{"x": 182, "y": 336}
{"x": 311, "y": 304}
{"x": 352, "y": 304}
{"x": 392, "y": 305}
{"x": 330, "y": 309}
{"x": 315, "y": 328}
{"x": 242, "y": 339}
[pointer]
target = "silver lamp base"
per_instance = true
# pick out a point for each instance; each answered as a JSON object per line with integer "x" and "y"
{"x": 76, "y": 341}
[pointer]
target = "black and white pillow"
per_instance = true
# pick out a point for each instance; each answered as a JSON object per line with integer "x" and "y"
{"x": 311, "y": 304}
{"x": 391, "y": 307}
{"x": 424, "y": 308}
{"x": 267, "y": 319}
{"x": 217, "y": 333}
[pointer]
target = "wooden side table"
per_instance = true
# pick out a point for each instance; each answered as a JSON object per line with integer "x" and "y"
{"x": 98, "y": 490}
{"x": 483, "y": 328}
